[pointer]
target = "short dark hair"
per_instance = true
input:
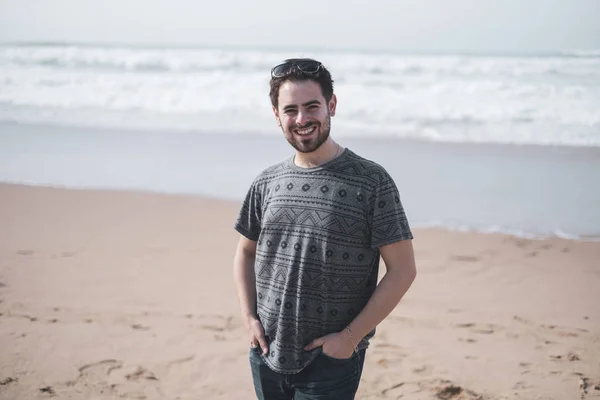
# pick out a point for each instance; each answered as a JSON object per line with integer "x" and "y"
{"x": 322, "y": 77}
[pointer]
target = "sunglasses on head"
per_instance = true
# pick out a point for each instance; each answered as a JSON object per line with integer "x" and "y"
{"x": 307, "y": 67}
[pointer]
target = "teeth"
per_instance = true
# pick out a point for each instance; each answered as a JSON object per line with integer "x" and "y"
{"x": 305, "y": 131}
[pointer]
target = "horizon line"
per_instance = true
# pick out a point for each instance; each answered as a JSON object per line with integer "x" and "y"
{"x": 457, "y": 52}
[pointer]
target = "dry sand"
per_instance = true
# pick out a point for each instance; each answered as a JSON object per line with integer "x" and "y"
{"x": 108, "y": 295}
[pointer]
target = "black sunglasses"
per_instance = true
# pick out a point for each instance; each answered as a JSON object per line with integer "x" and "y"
{"x": 307, "y": 67}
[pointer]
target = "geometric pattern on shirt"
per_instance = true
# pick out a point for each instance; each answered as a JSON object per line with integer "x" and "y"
{"x": 317, "y": 260}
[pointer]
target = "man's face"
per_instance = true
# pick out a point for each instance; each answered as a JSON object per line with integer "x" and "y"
{"x": 304, "y": 115}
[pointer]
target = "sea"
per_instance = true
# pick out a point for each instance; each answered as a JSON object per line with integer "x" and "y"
{"x": 488, "y": 142}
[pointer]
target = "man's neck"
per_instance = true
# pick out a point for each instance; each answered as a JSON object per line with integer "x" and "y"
{"x": 325, "y": 153}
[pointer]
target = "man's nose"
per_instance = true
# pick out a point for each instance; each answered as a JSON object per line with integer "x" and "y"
{"x": 301, "y": 118}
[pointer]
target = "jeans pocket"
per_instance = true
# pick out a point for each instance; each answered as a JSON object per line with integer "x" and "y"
{"x": 255, "y": 352}
{"x": 337, "y": 360}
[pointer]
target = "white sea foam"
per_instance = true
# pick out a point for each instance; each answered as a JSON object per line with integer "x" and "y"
{"x": 540, "y": 100}
{"x": 519, "y": 233}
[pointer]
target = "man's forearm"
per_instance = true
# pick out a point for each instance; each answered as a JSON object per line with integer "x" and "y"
{"x": 385, "y": 298}
{"x": 243, "y": 271}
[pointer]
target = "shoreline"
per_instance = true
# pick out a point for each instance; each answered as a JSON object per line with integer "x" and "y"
{"x": 576, "y": 150}
{"x": 234, "y": 202}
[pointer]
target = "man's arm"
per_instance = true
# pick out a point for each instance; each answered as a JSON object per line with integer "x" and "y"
{"x": 243, "y": 275}
{"x": 400, "y": 274}
{"x": 245, "y": 283}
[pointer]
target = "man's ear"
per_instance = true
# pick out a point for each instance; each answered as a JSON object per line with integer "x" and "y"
{"x": 276, "y": 113}
{"x": 332, "y": 105}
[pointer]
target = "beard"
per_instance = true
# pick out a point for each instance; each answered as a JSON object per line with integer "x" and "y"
{"x": 309, "y": 145}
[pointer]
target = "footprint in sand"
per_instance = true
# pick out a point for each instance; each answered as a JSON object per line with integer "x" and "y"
{"x": 586, "y": 386}
{"x": 48, "y": 390}
{"x": 423, "y": 370}
{"x": 389, "y": 389}
{"x": 521, "y": 243}
{"x": 486, "y": 330}
{"x": 560, "y": 331}
{"x": 464, "y": 258}
{"x": 524, "y": 364}
{"x": 563, "y": 331}
{"x": 178, "y": 367}
{"x": 520, "y": 385}
{"x": 8, "y": 381}
{"x": 29, "y": 317}
{"x": 223, "y": 324}
{"x": 521, "y": 319}
{"x": 109, "y": 377}
{"x": 103, "y": 367}
{"x": 140, "y": 373}
{"x": 450, "y": 391}
{"x": 139, "y": 327}
{"x": 388, "y": 358}
{"x": 212, "y": 328}
{"x": 569, "y": 357}
{"x": 387, "y": 346}
{"x": 179, "y": 361}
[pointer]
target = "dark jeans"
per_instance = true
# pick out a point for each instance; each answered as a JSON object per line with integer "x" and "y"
{"x": 326, "y": 378}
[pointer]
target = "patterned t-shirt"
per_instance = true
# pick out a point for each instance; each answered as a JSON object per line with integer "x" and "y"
{"x": 318, "y": 233}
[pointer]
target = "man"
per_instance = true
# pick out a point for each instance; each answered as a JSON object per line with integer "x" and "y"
{"x": 313, "y": 228}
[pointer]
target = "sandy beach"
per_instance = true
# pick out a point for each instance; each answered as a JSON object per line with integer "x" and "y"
{"x": 117, "y": 294}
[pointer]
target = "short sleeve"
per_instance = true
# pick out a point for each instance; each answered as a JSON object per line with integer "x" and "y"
{"x": 388, "y": 220}
{"x": 248, "y": 221}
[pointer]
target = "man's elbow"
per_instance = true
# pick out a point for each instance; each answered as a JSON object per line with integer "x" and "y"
{"x": 404, "y": 271}
{"x": 246, "y": 248}
{"x": 408, "y": 271}
{"x": 411, "y": 273}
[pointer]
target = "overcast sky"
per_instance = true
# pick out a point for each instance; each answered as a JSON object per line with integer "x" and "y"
{"x": 419, "y": 25}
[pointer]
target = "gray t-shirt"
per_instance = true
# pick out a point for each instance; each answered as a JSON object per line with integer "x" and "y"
{"x": 317, "y": 259}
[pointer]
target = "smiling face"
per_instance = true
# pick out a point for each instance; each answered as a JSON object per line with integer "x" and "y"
{"x": 304, "y": 114}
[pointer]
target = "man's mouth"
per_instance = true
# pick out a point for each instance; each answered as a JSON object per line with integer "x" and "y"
{"x": 306, "y": 131}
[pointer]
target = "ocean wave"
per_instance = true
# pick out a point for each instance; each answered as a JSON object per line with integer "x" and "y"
{"x": 130, "y": 60}
{"x": 345, "y": 65}
{"x": 550, "y": 100}
{"x": 583, "y": 53}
